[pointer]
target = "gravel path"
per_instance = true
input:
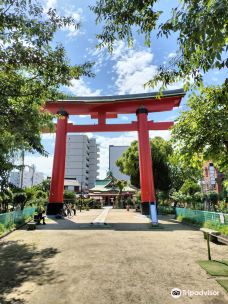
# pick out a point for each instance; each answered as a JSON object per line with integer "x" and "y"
{"x": 70, "y": 261}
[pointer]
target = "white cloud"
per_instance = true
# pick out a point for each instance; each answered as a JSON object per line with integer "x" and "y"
{"x": 80, "y": 88}
{"x": 67, "y": 11}
{"x": 100, "y": 57}
{"x": 77, "y": 15}
{"x": 133, "y": 69}
{"x": 89, "y": 134}
{"x": 165, "y": 134}
{"x": 84, "y": 116}
{"x": 124, "y": 117}
{"x": 49, "y": 4}
{"x": 171, "y": 55}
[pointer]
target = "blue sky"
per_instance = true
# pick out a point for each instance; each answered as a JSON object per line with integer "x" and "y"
{"x": 123, "y": 72}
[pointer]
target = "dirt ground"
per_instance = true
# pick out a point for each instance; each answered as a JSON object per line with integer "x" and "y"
{"x": 71, "y": 261}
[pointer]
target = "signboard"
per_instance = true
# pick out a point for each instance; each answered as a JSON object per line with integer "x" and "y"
{"x": 222, "y": 218}
{"x": 153, "y": 214}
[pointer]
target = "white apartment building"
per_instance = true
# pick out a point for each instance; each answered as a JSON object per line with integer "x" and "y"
{"x": 82, "y": 160}
{"x": 115, "y": 152}
{"x": 28, "y": 178}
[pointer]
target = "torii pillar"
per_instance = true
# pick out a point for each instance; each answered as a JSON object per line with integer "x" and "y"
{"x": 58, "y": 171}
{"x": 145, "y": 165}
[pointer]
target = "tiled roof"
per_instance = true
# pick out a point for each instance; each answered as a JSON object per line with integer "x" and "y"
{"x": 116, "y": 98}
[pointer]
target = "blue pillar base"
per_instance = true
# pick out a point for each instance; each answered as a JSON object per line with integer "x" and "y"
{"x": 153, "y": 213}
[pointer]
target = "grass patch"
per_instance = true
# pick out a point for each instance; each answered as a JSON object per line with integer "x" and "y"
{"x": 215, "y": 268}
{"x": 2, "y": 229}
{"x": 223, "y": 283}
{"x": 223, "y": 229}
{"x": 187, "y": 220}
{"x": 215, "y": 226}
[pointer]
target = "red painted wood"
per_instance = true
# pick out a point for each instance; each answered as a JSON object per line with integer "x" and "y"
{"x": 102, "y": 111}
{"x": 120, "y": 107}
{"x": 117, "y": 127}
{"x": 58, "y": 171}
{"x": 107, "y": 115}
{"x": 101, "y": 118}
{"x": 145, "y": 161}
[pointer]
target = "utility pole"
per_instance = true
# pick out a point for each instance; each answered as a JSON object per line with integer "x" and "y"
{"x": 33, "y": 173}
{"x": 22, "y": 167}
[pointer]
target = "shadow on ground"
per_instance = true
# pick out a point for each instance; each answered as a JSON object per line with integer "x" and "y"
{"x": 68, "y": 224}
{"x": 20, "y": 263}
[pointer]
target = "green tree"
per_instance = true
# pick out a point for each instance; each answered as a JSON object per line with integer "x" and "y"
{"x": 202, "y": 129}
{"x": 120, "y": 184}
{"x": 19, "y": 198}
{"x": 44, "y": 185}
{"x": 200, "y": 26}
{"x": 6, "y": 198}
{"x": 129, "y": 164}
{"x": 30, "y": 192}
{"x": 69, "y": 196}
{"x": 182, "y": 168}
{"x": 32, "y": 70}
{"x": 190, "y": 187}
{"x": 202, "y": 35}
{"x": 41, "y": 194}
{"x": 161, "y": 149}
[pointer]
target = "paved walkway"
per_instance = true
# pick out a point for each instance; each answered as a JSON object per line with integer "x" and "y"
{"x": 72, "y": 262}
{"x": 101, "y": 218}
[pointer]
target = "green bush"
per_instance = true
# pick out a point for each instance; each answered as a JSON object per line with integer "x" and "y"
{"x": 223, "y": 206}
{"x": 19, "y": 199}
{"x": 41, "y": 194}
{"x": 180, "y": 218}
{"x": 213, "y": 197}
{"x": 6, "y": 198}
{"x": 190, "y": 187}
{"x": 39, "y": 203}
{"x": 10, "y": 226}
{"x": 129, "y": 202}
{"x": 69, "y": 196}
{"x": 165, "y": 209}
{"x": 30, "y": 192}
{"x": 2, "y": 229}
{"x": 183, "y": 219}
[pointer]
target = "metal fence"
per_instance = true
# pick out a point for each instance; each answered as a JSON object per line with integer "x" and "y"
{"x": 16, "y": 217}
{"x": 203, "y": 216}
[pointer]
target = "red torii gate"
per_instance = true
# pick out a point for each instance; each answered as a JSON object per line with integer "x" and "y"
{"x": 102, "y": 108}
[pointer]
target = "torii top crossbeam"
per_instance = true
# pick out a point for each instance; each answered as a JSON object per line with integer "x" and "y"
{"x": 113, "y": 105}
{"x": 104, "y": 107}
